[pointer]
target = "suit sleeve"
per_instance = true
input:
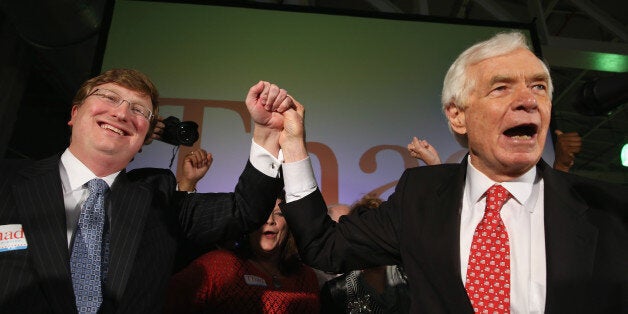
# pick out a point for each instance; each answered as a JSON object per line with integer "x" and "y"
{"x": 362, "y": 239}
{"x": 208, "y": 218}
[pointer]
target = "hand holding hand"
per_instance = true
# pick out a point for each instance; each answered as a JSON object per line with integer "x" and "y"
{"x": 266, "y": 102}
{"x": 421, "y": 149}
{"x": 292, "y": 138}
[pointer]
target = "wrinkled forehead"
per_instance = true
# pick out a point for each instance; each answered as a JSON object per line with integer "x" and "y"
{"x": 517, "y": 64}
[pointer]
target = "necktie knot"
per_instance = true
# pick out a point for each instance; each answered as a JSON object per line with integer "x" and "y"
{"x": 496, "y": 196}
{"x": 97, "y": 186}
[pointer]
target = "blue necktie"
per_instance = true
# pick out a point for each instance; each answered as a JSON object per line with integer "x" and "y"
{"x": 86, "y": 262}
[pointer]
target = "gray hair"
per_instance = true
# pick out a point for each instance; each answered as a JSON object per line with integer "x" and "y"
{"x": 457, "y": 85}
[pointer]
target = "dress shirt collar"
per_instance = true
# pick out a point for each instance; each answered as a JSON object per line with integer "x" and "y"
{"x": 77, "y": 173}
{"x": 521, "y": 188}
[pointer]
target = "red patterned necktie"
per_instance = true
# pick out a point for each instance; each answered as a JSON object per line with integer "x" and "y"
{"x": 488, "y": 274}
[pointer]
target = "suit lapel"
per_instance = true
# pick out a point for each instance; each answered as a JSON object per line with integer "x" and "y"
{"x": 40, "y": 199}
{"x": 443, "y": 237}
{"x": 129, "y": 204}
{"x": 569, "y": 238}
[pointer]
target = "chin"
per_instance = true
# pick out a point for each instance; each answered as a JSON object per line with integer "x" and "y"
{"x": 523, "y": 163}
{"x": 267, "y": 249}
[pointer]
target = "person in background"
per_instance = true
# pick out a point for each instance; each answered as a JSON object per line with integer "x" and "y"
{"x": 422, "y": 150}
{"x": 567, "y": 146}
{"x": 381, "y": 289}
{"x": 83, "y": 208}
{"x": 196, "y": 163}
{"x": 158, "y": 130}
{"x": 556, "y": 242}
{"x": 195, "y": 166}
{"x": 262, "y": 273}
{"x": 335, "y": 211}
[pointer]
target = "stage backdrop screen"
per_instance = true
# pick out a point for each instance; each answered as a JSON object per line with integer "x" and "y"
{"x": 368, "y": 83}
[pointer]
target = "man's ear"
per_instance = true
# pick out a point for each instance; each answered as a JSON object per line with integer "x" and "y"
{"x": 73, "y": 114}
{"x": 457, "y": 118}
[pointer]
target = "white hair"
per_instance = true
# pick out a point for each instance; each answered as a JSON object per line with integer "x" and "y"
{"x": 457, "y": 84}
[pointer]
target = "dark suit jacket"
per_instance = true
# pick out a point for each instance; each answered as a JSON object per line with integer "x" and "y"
{"x": 148, "y": 222}
{"x": 418, "y": 227}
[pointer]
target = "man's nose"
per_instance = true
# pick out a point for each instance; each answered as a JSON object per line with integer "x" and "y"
{"x": 525, "y": 99}
{"x": 122, "y": 110}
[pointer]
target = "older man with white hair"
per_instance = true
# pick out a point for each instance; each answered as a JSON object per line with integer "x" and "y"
{"x": 500, "y": 232}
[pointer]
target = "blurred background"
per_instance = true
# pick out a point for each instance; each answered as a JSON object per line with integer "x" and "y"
{"x": 49, "y": 47}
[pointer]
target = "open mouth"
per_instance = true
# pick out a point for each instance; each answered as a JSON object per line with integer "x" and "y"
{"x": 269, "y": 234}
{"x": 524, "y": 131}
{"x": 112, "y": 128}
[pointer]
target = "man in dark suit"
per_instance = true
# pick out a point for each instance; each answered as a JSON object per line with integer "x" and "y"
{"x": 502, "y": 231}
{"x": 146, "y": 220}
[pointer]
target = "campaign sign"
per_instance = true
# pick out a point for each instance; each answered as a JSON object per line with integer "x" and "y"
{"x": 12, "y": 238}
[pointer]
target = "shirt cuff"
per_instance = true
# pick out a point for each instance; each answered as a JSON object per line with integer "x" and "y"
{"x": 189, "y": 192}
{"x": 264, "y": 161}
{"x": 298, "y": 178}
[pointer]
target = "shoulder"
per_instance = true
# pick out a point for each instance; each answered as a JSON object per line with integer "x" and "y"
{"x": 600, "y": 196}
{"x": 18, "y": 170}
{"x": 433, "y": 175}
{"x": 587, "y": 187}
{"x": 216, "y": 258}
{"x": 10, "y": 168}
{"x": 12, "y": 165}
{"x": 309, "y": 275}
{"x": 156, "y": 177}
{"x": 148, "y": 173}
{"x": 211, "y": 268}
{"x": 29, "y": 167}
{"x": 435, "y": 171}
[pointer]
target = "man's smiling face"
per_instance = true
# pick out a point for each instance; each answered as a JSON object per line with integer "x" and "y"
{"x": 100, "y": 129}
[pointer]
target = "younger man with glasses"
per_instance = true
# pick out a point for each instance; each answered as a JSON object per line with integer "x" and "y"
{"x": 55, "y": 257}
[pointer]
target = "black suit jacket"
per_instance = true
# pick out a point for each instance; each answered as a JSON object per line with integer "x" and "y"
{"x": 148, "y": 222}
{"x": 586, "y": 239}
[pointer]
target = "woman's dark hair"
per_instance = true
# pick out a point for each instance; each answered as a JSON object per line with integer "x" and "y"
{"x": 368, "y": 201}
{"x": 289, "y": 261}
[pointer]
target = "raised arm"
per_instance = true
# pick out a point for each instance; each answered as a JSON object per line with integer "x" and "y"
{"x": 195, "y": 166}
{"x": 422, "y": 150}
{"x": 266, "y": 102}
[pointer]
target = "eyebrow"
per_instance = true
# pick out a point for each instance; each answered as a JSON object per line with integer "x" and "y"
{"x": 539, "y": 77}
{"x": 509, "y": 79}
{"x": 501, "y": 79}
{"x": 134, "y": 101}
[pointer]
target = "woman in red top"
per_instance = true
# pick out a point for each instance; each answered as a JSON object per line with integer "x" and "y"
{"x": 262, "y": 274}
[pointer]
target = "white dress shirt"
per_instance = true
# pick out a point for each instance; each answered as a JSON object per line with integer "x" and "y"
{"x": 74, "y": 178}
{"x": 522, "y": 215}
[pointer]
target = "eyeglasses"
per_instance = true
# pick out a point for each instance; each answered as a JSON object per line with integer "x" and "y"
{"x": 114, "y": 100}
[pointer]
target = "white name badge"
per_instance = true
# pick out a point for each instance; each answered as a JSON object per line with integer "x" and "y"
{"x": 253, "y": 280}
{"x": 12, "y": 238}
